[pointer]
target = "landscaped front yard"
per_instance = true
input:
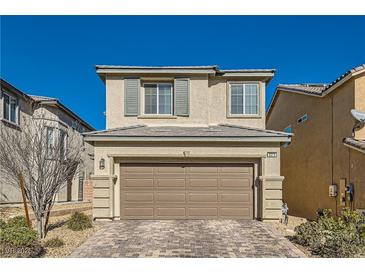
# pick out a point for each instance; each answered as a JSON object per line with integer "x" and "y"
{"x": 60, "y": 241}
{"x": 328, "y": 236}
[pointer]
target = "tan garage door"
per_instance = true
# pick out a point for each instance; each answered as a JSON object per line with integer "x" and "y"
{"x": 186, "y": 191}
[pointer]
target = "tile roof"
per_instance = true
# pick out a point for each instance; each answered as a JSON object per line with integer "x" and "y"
{"x": 307, "y": 88}
{"x": 212, "y": 67}
{"x": 318, "y": 89}
{"x": 222, "y": 130}
{"x": 38, "y": 98}
{"x": 358, "y": 144}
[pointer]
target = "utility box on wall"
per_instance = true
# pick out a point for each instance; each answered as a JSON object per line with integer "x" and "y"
{"x": 332, "y": 190}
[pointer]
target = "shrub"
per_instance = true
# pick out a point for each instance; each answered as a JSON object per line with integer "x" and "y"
{"x": 18, "y": 240}
{"x": 79, "y": 221}
{"x": 18, "y": 221}
{"x": 54, "y": 242}
{"x": 333, "y": 237}
{"x": 17, "y": 236}
{"x": 2, "y": 223}
{"x": 308, "y": 234}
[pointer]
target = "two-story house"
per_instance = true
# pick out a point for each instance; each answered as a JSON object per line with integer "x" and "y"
{"x": 325, "y": 161}
{"x": 186, "y": 142}
{"x": 15, "y": 108}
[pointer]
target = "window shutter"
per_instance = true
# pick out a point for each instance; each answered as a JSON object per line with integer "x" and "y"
{"x": 182, "y": 97}
{"x": 131, "y": 96}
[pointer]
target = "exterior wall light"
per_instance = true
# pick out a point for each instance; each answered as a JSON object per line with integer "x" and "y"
{"x": 102, "y": 163}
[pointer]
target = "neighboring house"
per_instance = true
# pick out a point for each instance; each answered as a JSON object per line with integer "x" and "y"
{"x": 186, "y": 143}
{"x": 16, "y": 107}
{"x": 324, "y": 151}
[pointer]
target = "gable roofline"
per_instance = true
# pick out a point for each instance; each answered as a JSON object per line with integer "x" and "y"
{"x": 326, "y": 88}
{"x": 43, "y": 100}
{"x": 7, "y": 85}
{"x": 266, "y": 74}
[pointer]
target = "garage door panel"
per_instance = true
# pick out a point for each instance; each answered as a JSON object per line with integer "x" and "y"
{"x": 207, "y": 182}
{"x": 235, "y": 169}
{"x": 170, "y": 197}
{"x": 172, "y": 182}
{"x": 203, "y": 212}
{"x": 245, "y": 183}
{"x": 235, "y": 212}
{"x": 138, "y": 197}
{"x": 235, "y": 197}
{"x": 202, "y": 197}
{"x": 186, "y": 191}
{"x": 138, "y": 182}
{"x": 201, "y": 169}
{"x": 170, "y": 212}
{"x": 138, "y": 212}
{"x": 170, "y": 169}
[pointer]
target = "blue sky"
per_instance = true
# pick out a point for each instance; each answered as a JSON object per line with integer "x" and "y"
{"x": 55, "y": 55}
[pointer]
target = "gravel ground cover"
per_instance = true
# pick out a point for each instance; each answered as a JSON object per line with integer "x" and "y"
{"x": 288, "y": 230}
{"x": 72, "y": 239}
{"x": 58, "y": 228}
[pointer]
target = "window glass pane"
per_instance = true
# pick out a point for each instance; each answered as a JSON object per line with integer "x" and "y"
{"x": 150, "y": 99}
{"x": 251, "y": 99}
{"x": 13, "y": 108}
{"x": 62, "y": 144}
{"x": 6, "y": 107}
{"x": 236, "y": 99}
{"x": 164, "y": 99}
{"x": 50, "y": 142}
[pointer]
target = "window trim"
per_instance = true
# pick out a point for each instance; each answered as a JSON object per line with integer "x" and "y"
{"x": 144, "y": 96}
{"x": 244, "y": 115}
{"x": 16, "y": 110}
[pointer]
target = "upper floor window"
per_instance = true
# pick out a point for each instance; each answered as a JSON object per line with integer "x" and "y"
{"x": 56, "y": 142}
{"x": 158, "y": 98}
{"x": 10, "y": 108}
{"x": 244, "y": 99}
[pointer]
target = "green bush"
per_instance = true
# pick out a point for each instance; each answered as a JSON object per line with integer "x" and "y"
{"x": 17, "y": 240}
{"x": 54, "y": 242}
{"x": 18, "y": 221}
{"x": 79, "y": 221}
{"x": 17, "y": 236}
{"x": 333, "y": 237}
{"x": 2, "y": 223}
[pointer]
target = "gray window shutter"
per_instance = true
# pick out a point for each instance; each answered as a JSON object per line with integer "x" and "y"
{"x": 182, "y": 97}
{"x": 131, "y": 96}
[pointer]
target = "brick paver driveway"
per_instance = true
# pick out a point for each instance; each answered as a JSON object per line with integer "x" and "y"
{"x": 186, "y": 238}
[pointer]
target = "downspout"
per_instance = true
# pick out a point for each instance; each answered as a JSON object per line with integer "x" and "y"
{"x": 332, "y": 160}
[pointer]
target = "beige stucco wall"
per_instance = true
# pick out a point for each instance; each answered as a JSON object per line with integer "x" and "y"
{"x": 267, "y": 172}
{"x": 10, "y": 193}
{"x": 57, "y": 118}
{"x": 308, "y": 164}
{"x": 360, "y": 101}
{"x": 208, "y": 103}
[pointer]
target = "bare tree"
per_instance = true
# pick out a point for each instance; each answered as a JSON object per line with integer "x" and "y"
{"x": 45, "y": 155}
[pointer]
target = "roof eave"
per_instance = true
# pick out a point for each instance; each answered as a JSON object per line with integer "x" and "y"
{"x": 281, "y": 139}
